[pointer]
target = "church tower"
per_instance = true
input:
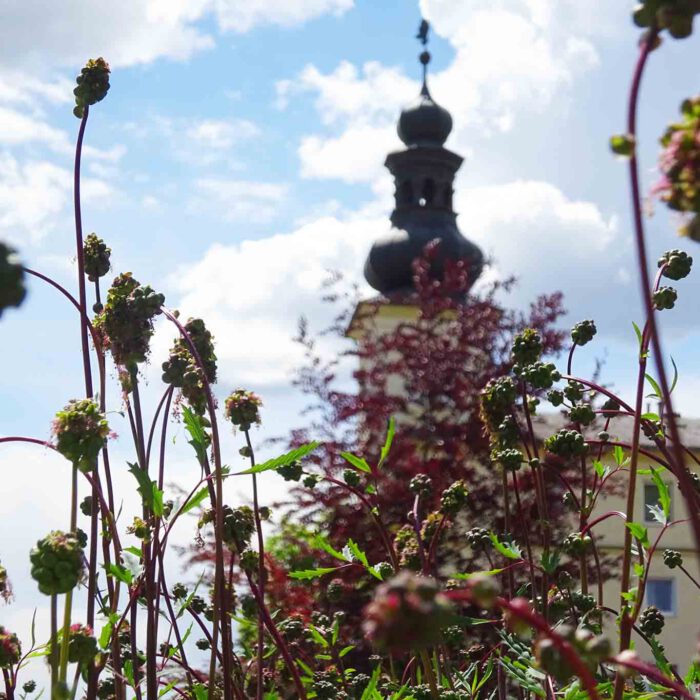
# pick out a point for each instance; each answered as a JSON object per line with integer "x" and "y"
{"x": 424, "y": 174}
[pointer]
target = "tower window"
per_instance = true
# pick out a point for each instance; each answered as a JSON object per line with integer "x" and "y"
{"x": 661, "y": 592}
{"x": 429, "y": 191}
{"x": 406, "y": 192}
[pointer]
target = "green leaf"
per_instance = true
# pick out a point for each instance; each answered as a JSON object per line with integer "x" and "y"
{"x": 346, "y": 650}
{"x": 618, "y": 455}
{"x": 372, "y": 685}
{"x": 510, "y": 550}
{"x": 129, "y": 671}
{"x": 390, "y": 432}
{"x": 151, "y": 495}
{"x": 119, "y": 572}
{"x": 157, "y": 500}
{"x": 655, "y": 386}
{"x": 199, "y": 439}
{"x": 305, "y": 668}
{"x": 622, "y": 144}
{"x": 639, "y": 532}
{"x": 336, "y": 631}
{"x": 321, "y": 542}
{"x": 638, "y": 569}
{"x": 311, "y": 573}
{"x": 136, "y": 551}
{"x": 550, "y": 561}
{"x": 282, "y": 460}
{"x": 196, "y": 500}
{"x": 358, "y": 553}
{"x": 105, "y": 635}
{"x": 473, "y": 574}
{"x": 675, "y": 376}
{"x": 638, "y": 332}
{"x": 318, "y": 637}
{"x": 659, "y": 653}
{"x": 599, "y": 468}
{"x": 356, "y": 462}
{"x": 168, "y": 688}
{"x": 200, "y": 691}
{"x": 664, "y": 495}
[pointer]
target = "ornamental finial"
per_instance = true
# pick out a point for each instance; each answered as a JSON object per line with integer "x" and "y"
{"x": 424, "y": 58}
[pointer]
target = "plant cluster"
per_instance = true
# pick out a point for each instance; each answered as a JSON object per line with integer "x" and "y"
{"x": 450, "y": 554}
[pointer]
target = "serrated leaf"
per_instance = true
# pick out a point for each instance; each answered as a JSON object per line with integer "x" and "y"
{"x": 282, "y": 460}
{"x": 358, "y": 553}
{"x": 196, "y": 500}
{"x": 657, "y": 515}
{"x": 664, "y": 495}
{"x": 639, "y": 532}
{"x": 195, "y": 427}
{"x": 356, "y": 462}
{"x": 322, "y": 543}
{"x": 311, "y": 573}
{"x": 510, "y": 550}
{"x": 550, "y": 561}
{"x": 390, "y": 432}
{"x": 638, "y": 569}
{"x": 151, "y": 495}
{"x": 119, "y": 572}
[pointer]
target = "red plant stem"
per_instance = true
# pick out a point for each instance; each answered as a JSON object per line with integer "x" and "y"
{"x": 655, "y": 675}
{"x": 683, "y": 477}
{"x": 9, "y": 687}
{"x": 82, "y": 295}
{"x": 277, "y": 637}
{"x": 217, "y": 502}
{"x": 524, "y": 524}
{"x": 380, "y": 526}
{"x": 540, "y": 624}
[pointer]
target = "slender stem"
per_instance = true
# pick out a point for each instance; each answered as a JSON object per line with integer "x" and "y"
{"x": 217, "y": 502}
{"x": 261, "y": 570}
{"x": 53, "y": 658}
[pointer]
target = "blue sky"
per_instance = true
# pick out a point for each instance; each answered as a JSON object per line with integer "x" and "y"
{"x": 238, "y": 156}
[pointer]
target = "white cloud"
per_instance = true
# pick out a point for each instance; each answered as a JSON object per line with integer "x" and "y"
{"x": 18, "y": 127}
{"x": 134, "y": 32}
{"x": 243, "y": 15}
{"x": 357, "y": 155}
{"x": 511, "y": 57}
{"x": 34, "y": 194}
{"x": 238, "y": 200}
{"x": 251, "y": 294}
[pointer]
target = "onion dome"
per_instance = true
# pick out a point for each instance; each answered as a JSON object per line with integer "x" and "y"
{"x": 424, "y": 123}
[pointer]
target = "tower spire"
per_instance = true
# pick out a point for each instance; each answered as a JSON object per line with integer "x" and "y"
{"x": 424, "y": 58}
{"x": 424, "y": 174}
